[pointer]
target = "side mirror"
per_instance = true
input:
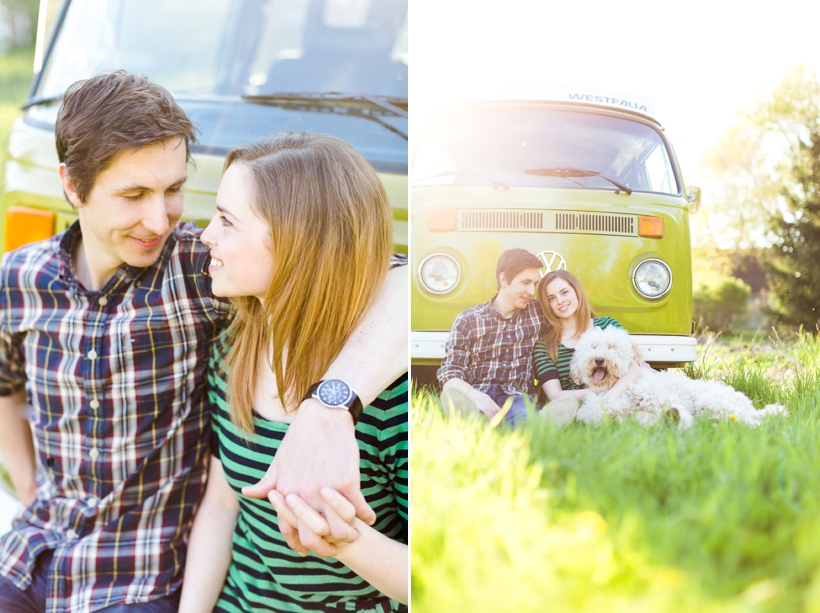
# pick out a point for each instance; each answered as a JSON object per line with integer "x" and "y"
{"x": 693, "y": 198}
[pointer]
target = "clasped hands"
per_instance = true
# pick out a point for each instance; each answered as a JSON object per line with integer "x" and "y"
{"x": 313, "y": 482}
{"x": 313, "y": 529}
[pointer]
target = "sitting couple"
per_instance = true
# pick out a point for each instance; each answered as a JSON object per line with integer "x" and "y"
{"x": 126, "y": 339}
{"x": 496, "y": 350}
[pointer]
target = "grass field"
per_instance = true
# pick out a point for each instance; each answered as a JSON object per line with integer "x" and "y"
{"x": 716, "y": 518}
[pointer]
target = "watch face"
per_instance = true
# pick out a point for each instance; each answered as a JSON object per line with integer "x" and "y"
{"x": 334, "y": 393}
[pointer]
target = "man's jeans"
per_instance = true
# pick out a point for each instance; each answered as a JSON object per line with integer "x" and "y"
{"x": 518, "y": 411}
{"x": 33, "y": 598}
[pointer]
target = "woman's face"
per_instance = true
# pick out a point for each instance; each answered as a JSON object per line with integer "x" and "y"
{"x": 562, "y": 299}
{"x": 241, "y": 258}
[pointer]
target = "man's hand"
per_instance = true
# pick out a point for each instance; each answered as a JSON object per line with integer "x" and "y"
{"x": 484, "y": 403}
{"x": 17, "y": 446}
{"x": 319, "y": 450}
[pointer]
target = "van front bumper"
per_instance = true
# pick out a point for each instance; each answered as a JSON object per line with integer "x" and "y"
{"x": 660, "y": 351}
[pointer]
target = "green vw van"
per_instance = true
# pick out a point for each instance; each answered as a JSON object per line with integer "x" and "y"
{"x": 241, "y": 69}
{"x": 587, "y": 182}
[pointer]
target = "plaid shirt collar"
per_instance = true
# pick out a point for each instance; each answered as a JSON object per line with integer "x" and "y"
{"x": 66, "y": 262}
{"x": 490, "y": 311}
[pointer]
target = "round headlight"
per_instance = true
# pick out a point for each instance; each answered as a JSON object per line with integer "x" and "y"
{"x": 439, "y": 273}
{"x": 652, "y": 278}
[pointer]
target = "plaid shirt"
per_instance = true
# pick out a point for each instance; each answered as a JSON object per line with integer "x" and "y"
{"x": 484, "y": 349}
{"x": 116, "y": 380}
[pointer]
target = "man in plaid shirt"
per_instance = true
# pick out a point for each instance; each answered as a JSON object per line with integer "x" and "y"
{"x": 105, "y": 334}
{"x": 488, "y": 356}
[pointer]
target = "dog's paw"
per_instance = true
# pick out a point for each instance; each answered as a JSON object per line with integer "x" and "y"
{"x": 685, "y": 420}
{"x": 591, "y": 411}
{"x": 774, "y": 409}
{"x": 645, "y": 418}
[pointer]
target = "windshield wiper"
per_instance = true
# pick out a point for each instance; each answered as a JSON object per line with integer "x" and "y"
{"x": 41, "y": 101}
{"x": 465, "y": 173}
{"x": 383, "y": 102}
{"x": 567, "y": 173}
{"x": 364, "y": 102}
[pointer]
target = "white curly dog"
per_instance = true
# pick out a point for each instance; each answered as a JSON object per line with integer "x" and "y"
{"x": 603, "y": 356}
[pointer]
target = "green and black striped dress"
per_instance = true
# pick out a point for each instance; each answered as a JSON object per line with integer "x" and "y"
{"x": 265, "y": 574}
{"x": 546, "y": 369}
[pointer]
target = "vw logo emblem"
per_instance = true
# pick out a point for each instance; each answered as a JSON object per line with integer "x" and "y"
{"x": 551, "y": 260}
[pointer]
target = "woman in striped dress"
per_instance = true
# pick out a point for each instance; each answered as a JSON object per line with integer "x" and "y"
{"x": 569, "y": 315}
{"x": 301, "y": 243}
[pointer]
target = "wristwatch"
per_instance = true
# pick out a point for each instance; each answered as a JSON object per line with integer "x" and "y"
{"x": 336, "y": 394}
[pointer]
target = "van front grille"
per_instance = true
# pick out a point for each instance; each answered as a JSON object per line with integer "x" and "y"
{"x": 565, "y": 222}
{"x": 502, "y": 220}
{"x": 596, "y": 223}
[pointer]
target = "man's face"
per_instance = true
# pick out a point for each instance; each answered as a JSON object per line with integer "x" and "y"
{"x": 521, "y": 289}
{"x": 133, "y": 206}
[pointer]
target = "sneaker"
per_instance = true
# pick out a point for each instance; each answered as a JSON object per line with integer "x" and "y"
{"x": 456, "y": 402}
{"x": 560, "y": 412}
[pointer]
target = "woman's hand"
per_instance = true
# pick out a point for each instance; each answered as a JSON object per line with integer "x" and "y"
{"x": 376, "y": 558}
{"x": 313, "y": 527}
{"x": 622, "y": 384}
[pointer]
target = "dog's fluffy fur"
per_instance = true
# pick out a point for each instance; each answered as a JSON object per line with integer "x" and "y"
{"x": 603, "y": 356}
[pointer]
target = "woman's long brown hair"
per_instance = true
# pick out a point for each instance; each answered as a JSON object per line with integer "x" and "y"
{"x": 552, "y": 338}
{"x": 331, "y": 235}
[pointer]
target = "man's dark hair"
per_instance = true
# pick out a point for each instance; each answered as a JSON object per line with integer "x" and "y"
{"x": 110, "y": 113}
{"x": 512, "y": 262}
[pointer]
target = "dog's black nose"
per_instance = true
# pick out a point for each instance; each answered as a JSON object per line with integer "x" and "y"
{"x": 599, "y": 361}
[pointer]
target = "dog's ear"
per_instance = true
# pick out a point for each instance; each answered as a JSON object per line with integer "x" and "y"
{"x": 637, "y": 354}
{"x": 575, "y": 372}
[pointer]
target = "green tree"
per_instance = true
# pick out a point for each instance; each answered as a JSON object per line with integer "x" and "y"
{"x": 20, "y": 20}
{"x": 793, "y": 269}
{"x": 743, "y": 186}
{"x": 721, "y": 303}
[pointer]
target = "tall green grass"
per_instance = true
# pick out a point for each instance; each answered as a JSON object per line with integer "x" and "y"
{"x": 719, "y": 517}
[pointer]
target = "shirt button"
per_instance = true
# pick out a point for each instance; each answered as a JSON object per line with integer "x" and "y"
{"x": 103, "y": 301}
{"x": 95, "y": 404}
{"x": 94, "y": 453}
{"x": 70, "y": 535}
{"x": 92, "y": 355}
{"x": 91, "y": 502}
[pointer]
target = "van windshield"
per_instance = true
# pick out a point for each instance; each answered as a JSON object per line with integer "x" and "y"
{"x": 240, "y": 47}
{"x": 212, "y": 54}
{"x": 543, "y": 147}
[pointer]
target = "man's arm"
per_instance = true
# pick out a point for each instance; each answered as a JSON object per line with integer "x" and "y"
{"x": 319, "y": 448}
{"x": 454, "y": 372}
{"x": 17, "y": 446}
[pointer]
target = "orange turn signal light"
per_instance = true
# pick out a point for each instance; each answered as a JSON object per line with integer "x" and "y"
{"x": 650, "y": 227}
{"x": 25, "y": 225}
{"x": 443, "y": 221}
